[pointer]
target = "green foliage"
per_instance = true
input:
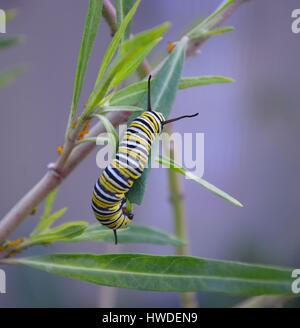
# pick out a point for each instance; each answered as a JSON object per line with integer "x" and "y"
{"x": 80, "y": 231}
{"x": 138, "y": 271}
{"x": 132, "y": 234}
{"x": 121, "y": 68}
{"x": 123, "y": 7}
{"x": 133, "y": 93}
{"x": 172, "y": 165}
{"x": 92, "y": 22}
{"x": 209, "y": 26}
{"x": 63, "y": 232}
{"x": 113, "y": 46}
{"x": 166, "y": 273}
{"x": 163, "y": 92}
{"x": 48, "y": 218}
{"x": 196, "y": 81}
{"x": 144, "y": 38}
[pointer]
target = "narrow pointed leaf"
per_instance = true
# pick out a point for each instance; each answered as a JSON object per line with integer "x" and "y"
{"x": 163, "y": 88}
{"x": 132, "y": 234}
{"x": 169, "y": 163}
{"x": 144, "y": 38}
{"x": 220, "y": 30}
{"x": 197, "y": 81}
{"x": 208, "y": 24}
{"x": 166, "y": 273}
{"x": 49, "y": 202}
{"x": 123, "y": 7}
{"x": 113, "y": 46}
{"x": 137, "y": 55}
{"x": 120, "y": 69}
{"x": 92, "y": 22}
{"x": 62, "y": 232}
{"x": 48, "y": 221}
{"x": 133, "y": 93}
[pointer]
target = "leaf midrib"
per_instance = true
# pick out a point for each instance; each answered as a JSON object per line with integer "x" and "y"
{"x": 122, "y": 272}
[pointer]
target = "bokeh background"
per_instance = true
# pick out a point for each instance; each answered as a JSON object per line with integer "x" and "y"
{"x": 251, "y": 132}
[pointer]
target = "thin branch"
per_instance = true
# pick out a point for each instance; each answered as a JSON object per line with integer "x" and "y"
{"x": 189, "y": 299}
{"x": 52, "y": 179}
{"x": 72, "y": 157}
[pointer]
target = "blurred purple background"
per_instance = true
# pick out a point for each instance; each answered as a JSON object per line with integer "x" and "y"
{"x": 251, "y": 132}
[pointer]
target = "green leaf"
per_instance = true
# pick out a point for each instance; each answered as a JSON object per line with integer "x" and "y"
{"x": 8, "y": 42}
{"x": 10, "y": 75}
{"x": 196, "y": 81}
{"x": 123, "y": 7}
{"x": 163, "y": 90}
{"x": 113, "y": 46}
{"x": 169, "y": 163}
{"x": 92, "y": 22}
{"x": 132, "y": 62}
{"x": 144, "y": 38}
{"x": 220, "y": 30}
{"x": 129, "y": 95}
{"x": 122, "y": 68}
{"x": 132, "y": 234}
{"x": 63, "y": 232}
{"x": 166, "y": 273}
{"x": 108, "y": 109}
{"x": 111, "y": 131}
{"x": 206, "y": 26}
{"x": 133, "y": 93}
{"x": 49, "y": 220}
{"x": 49, "y": 203}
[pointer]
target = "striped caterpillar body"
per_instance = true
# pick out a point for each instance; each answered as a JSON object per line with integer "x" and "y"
{"x": 109, "y": 196}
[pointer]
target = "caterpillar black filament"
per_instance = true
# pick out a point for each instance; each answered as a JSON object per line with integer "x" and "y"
{"x": 109, "y": 196}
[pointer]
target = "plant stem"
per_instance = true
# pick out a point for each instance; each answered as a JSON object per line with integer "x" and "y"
{"x": 51, "y": 180}
{"x": 188, "y": 300}
{"x": 72, "y": 157}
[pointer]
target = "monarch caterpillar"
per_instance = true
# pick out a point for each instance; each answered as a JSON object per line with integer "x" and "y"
{"x": 109, "y": 195}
